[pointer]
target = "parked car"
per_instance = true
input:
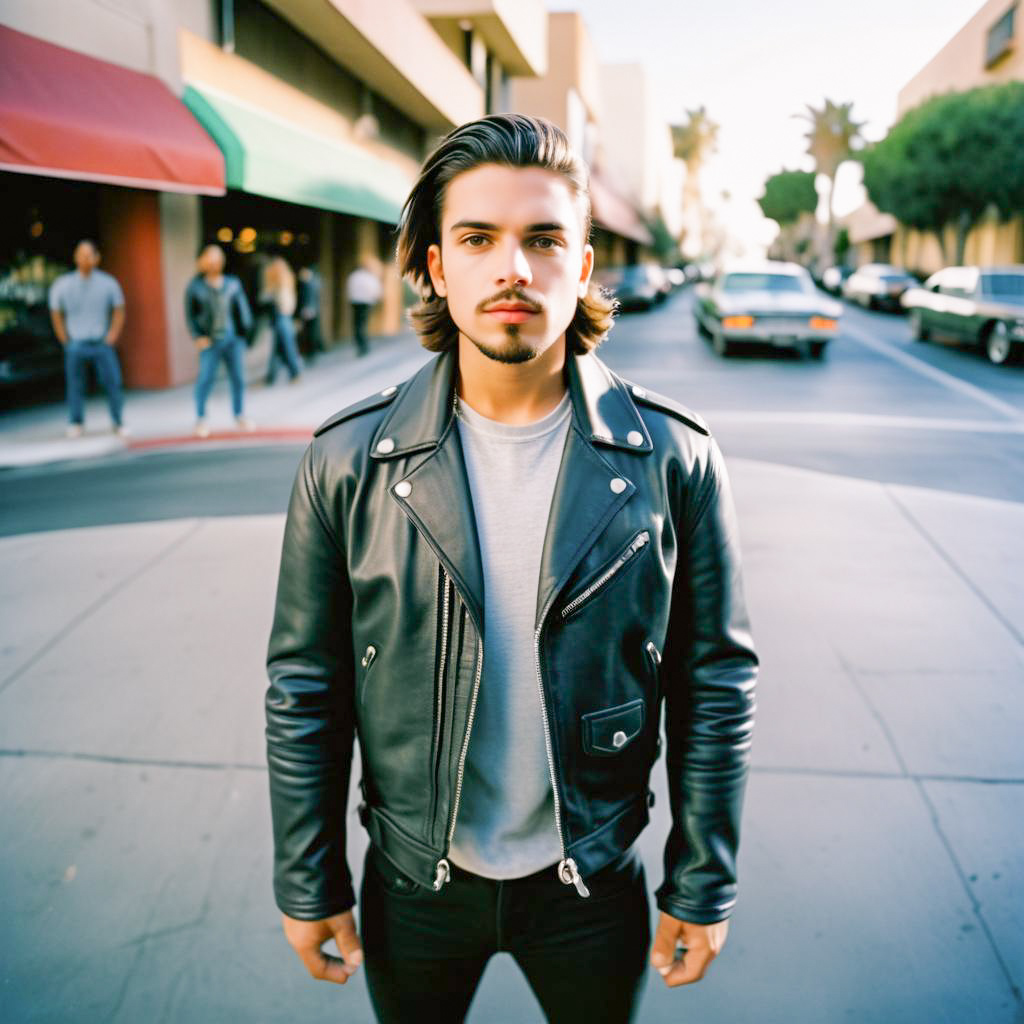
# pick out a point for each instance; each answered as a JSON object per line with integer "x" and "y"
{"x": 769, "y": 302}
{"x": 878, "y": 286}
{"x": 833, "y": 278}
{"x": 981, "y": 305}
{"x": 637, "y": 286}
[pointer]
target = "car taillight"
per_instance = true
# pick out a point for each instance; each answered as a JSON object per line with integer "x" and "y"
{"x": 823, "y": 323}
{"x": 738, "y": 321}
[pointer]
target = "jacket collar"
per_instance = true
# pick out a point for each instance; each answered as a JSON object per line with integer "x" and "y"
{"x": 603, "y": 409}
{"x": 435, "y": 492}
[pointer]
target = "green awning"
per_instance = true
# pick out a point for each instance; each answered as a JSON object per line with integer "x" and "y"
{"x": 270, "y": 157}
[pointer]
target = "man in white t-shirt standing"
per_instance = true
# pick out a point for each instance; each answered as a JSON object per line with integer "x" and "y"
{"x": 363, "y": 290}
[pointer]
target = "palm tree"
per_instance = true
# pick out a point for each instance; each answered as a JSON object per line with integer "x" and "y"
{"x": 693, "y": 142}
{"x": 832, "y": 138}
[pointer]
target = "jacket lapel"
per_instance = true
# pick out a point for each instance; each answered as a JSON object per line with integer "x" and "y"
{"x": 589, "y": 491}
{"x": 439, "y": 503}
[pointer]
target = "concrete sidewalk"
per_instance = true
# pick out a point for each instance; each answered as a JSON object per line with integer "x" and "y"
{"x": 285, "y": 411}
{"x": 882, "y": 872}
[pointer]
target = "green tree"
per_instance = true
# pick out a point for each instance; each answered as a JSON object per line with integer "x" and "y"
{"x": 693, "y": 142}
{"x": 949, "y": 160}
{"x": 831, "y": 139}
{"x": 787, "y": 195}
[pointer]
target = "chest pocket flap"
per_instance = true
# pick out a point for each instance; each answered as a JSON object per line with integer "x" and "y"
{"x": 606, "y": 733}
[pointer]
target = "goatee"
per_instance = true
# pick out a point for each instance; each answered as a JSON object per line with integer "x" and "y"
{"x": 515, "y": 351}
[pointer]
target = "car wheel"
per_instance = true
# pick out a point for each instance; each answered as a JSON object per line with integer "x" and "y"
{"x": 921, "y": 333}
{"x": 816, "y": 349}
{"x": 998, "y": 345}
{"x": 721, "y": 345}
{"x": 701, "y": 329}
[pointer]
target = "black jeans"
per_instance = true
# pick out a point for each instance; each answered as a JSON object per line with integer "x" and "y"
{"x": 584, "y": 958}
{"x": 360, "y": 315}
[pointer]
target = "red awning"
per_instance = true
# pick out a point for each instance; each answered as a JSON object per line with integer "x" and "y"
{"x": 66, "y": 115}
{"x": 615, "y": 214}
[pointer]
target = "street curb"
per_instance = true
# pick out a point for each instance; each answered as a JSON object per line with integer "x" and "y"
{"x": 270, "y": 434}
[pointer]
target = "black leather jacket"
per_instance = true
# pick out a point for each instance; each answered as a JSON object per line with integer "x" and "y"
{"x": 377, "y": 633}
{"x": 200, "y": 300}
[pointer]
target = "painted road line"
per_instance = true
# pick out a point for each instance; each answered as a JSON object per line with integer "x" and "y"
{"x": 919, "y": 366}
{"x": 765, "y": 417}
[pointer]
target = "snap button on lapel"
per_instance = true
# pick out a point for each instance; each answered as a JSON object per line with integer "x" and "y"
{"x": 403, "y": 488}
{"x": 639, "y": 391}
{"x": 385, "y": 446}
{"x": 618, "y": 739}
{"x": 634, "y": 437}
{"x": 617, "y": 484}
{"x": 389, "y": 391}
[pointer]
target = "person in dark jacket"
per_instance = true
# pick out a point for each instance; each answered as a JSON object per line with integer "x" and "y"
{"x": 498, "y": 574}
{"x": 218, "y": 317}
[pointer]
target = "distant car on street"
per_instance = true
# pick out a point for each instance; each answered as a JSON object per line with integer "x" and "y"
{"x": 637, "y": 286}
{"x": 878, "y": 286}
{"x": 770, "y": 302}
{"x": 29, "y": 352}
{"x": 833, "y": 277}
{"x": 983, "y": 306}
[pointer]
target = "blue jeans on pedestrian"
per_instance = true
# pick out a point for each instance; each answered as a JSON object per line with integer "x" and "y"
{"x": 77, "y": 354}
{"x": 230, "y": 348}
{"x": 584, "y": 958}
{"x": 284, "y": 349}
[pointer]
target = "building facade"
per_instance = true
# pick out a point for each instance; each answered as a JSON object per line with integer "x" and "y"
{"x": 297, "y": 130}
{"x": 988, "y": 50}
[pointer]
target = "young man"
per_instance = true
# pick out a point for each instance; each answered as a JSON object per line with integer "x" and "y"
{"x": 495, "y": 574}
{"x": 218, "y": 317}
{"x": 87, "y": 313}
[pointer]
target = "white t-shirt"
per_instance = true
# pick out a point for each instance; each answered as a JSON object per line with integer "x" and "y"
{"x": 363, "y": 287}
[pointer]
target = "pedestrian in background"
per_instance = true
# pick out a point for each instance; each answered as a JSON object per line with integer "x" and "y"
{"x": 278, "y": 292}
{"x": 363, "y": 290}
{"x": 87, "y": 312}
{"x": 311, "y": 338}
{"x": 218, "y": 317}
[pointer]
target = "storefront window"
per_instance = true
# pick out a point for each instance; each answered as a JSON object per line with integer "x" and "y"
{"x": 43, "y": 219}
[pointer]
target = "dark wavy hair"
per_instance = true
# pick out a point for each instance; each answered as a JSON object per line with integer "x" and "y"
{"x": 510, "y": 140}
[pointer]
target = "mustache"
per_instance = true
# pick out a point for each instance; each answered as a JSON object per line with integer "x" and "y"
{"x": 535, "y": 303}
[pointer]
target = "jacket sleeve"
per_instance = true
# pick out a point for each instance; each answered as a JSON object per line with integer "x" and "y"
{"x": 244, "y": 312}
{"x": 709, "y": 672}
{"x": 309, "y": 710}
{"x": 191, "y": 311}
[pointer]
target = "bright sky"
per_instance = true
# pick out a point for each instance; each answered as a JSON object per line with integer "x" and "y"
{"x": 755, "y": 63}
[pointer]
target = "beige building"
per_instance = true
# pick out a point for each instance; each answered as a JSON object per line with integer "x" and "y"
{"x": 300, "y": 126}
{"x": 635, "y": 145}
{"x": 569, "y": 94}
{"x": 988, "y": 50}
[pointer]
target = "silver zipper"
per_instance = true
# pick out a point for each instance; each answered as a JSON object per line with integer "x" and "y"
{"x": 567, "y": 870}
{"x": 367, "y": 659}
{"x": 444, "y": 654}
{"x": 443, "y": 871}
{"x": 638, "y": 542}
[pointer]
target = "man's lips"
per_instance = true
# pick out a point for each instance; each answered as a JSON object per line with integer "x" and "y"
{"x": 511, "y": 312}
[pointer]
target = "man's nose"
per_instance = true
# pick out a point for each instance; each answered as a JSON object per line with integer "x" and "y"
{"x": 514, "y": 268}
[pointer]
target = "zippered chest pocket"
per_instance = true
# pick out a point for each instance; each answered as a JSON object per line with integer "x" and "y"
{"x": 630, "y": 554}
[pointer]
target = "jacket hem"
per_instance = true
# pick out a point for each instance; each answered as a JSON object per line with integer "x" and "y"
{"x": 410, "y": 855}
{"x": 612, "y": 838}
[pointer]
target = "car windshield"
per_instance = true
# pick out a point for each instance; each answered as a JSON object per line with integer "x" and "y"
{"x": 1005, "y": 285}
{"x": 762, "y": 283}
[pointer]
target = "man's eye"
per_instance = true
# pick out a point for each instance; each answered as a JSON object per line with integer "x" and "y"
{"x": 475, "y": 241}
{"x": 545, "y": 242}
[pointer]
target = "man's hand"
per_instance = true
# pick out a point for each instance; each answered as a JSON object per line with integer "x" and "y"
{"x": 202, "y": 343}
{"x": 701, "y": 944}
{"x": 306, "y": 938}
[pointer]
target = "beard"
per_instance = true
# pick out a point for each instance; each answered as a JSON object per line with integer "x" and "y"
{"x": 515, "y": 350}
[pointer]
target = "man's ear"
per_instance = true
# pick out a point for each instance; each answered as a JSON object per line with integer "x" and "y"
{"x": 436, "y": 270}
{"x": 586, "y": 270}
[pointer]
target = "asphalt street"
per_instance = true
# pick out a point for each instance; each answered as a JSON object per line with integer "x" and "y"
{"x": 881, "y": 505}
